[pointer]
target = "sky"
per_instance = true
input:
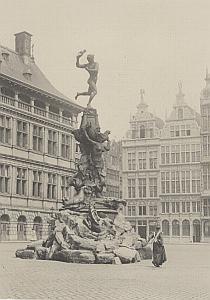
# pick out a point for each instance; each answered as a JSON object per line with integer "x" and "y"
{"x": 139, "y": 44}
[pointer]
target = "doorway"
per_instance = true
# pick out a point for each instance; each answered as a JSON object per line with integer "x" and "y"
{"x": 196, "y": 231}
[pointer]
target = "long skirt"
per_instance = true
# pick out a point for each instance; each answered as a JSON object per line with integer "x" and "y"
{"x": 159, "y": 254}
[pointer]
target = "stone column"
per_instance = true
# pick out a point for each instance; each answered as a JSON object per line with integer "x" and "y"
{"x": 14, "y": 178}
{"x": 191, "y": 230}
{"x": 47, "y": 107}
{"x": 61, "y": 114}
{"x": 16, "y": 99}
{"x": 180, "y": 226}
{"x": 202, "y": 231}
{"x": 30, "y": 183}
{"x": 32, "y": 104}
{"x": 59, "y": 141}
{"x": 30, "y": 137}
{"x": 170, "y": 229}
{"x": 13, "y": 131}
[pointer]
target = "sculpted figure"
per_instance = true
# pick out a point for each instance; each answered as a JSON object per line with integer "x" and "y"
{"x": 92, "y": 68}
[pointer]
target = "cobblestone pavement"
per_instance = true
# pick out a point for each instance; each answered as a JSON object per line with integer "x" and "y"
{"x": 186, "y": 275}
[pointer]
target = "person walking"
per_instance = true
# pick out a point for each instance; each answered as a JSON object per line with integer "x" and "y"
{"x": 159, "y": 253}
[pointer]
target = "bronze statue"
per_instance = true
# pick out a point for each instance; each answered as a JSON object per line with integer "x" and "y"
{"x": 92, "y": 68}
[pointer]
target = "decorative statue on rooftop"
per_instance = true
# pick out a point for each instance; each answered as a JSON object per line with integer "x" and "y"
{"x": 92, "y": 68}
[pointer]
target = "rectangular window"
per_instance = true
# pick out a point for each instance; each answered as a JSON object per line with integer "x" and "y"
{"x": 187, "y": 181}
{"x": 153, "y": 159}
{"x": 195, "y": 181}
{"x": 37, "y": 138}
{"x": 173, "y": 182}
{"x": 194, "y": 206}
{"x": 188, "y": 206}
{"x": 4, "y": 178}
{"x": 22, "y": 134}
{"x": 163, "y": 155}
{"x": 5, "y": 129}
{"x": 173, "y": 207}
{"x": 183, "y": 207}
{"x": 37, "y": 184}
{"x": 65, "y": 188}
{"x": 52, "y": 142}
{"x": 172, "y": 133}
{"x": 187, "y": 130}
{"x": 142, "y": 187}
{"x": 183, "y": 154}
{"x": 142, "y": 160}
{"x": 183, "y": 182}
{"x": 132, "y": 161}
{"x": 153, "y": 187}
{"x": 187, "y": 153}
{"x": 51, "y": 186}
{"x": 65, "y": 146}
{"x": 173, "y": 155}
{"x": 165, "y": 182}
{"x": 177, "y": 154}
{"x": 177, "y": 207}
{"x": 142, "y": 210}
{"x": 131, "y": 210}
{"x": 21, "y": 181}
{"x": 183, "y": 133}
{"x": 163, "y": 207}
{"x": 177, "y": 130}
{"x": 206, "y": 177}
{"x": 131, "y": 188}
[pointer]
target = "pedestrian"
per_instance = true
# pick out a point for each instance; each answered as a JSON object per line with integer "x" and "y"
{"x": 159, "y": 254}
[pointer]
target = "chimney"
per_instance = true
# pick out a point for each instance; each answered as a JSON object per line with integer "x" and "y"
{"x": 23, "y": 44}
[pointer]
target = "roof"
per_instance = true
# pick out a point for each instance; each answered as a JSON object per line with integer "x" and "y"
{"x": 14, "y": 68}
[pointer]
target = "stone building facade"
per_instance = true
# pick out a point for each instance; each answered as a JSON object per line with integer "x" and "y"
{"x": 112, "y": 160}
{"x": 141, "y": 169}
{"x": 205, "y": 159}
{"x": 37, "y": 149}
{"x": 162, "y": 173}
{"x": 180, "y": 206}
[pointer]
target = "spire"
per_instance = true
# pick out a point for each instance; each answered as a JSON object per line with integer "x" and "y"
{"x": 207, "y": 79}
{"x": 180, "y": 95}
{"x": 205, "y": 93}
{"x": 142, "y": 106}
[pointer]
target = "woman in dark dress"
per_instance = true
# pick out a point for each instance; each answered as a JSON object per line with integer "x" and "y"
{"x": 159, "y": 254}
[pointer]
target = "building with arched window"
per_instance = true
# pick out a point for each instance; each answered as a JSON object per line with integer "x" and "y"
{"x": 162, "y": 173}
{"x": 140, "y": 169}
{"x": 37, "y": 149}
{"x": 180, "y": 172}
{"x": 205, "y": 159}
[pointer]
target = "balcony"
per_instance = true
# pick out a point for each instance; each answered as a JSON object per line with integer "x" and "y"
{"x": 32, "y": 109}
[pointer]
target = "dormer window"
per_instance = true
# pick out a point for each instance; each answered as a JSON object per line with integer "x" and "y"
{"x": 142, "y": 132}
{"x": 27, "y": 74}
{"x": 5, "y": 55}
{"x": 180, "y": 114}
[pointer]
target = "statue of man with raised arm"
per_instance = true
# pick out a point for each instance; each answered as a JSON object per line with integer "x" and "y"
{"x": 92, "y": 68}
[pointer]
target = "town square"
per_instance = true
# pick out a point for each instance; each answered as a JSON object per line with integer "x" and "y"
{"x": 184, "y": 276}
{"x": 105, "y": 149}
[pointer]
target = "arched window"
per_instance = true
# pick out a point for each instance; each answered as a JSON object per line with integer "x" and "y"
{"x": 38, "y": 227}
{"x": 165, "y": 227}
{"x": 186, "y": 228}
{"x": 206, "y": 228}
{"x": 4, "y": 227}
{"x": 175, "y": 228}
{"x": 21, "y": 228}
{"x": 142, "y": 132}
